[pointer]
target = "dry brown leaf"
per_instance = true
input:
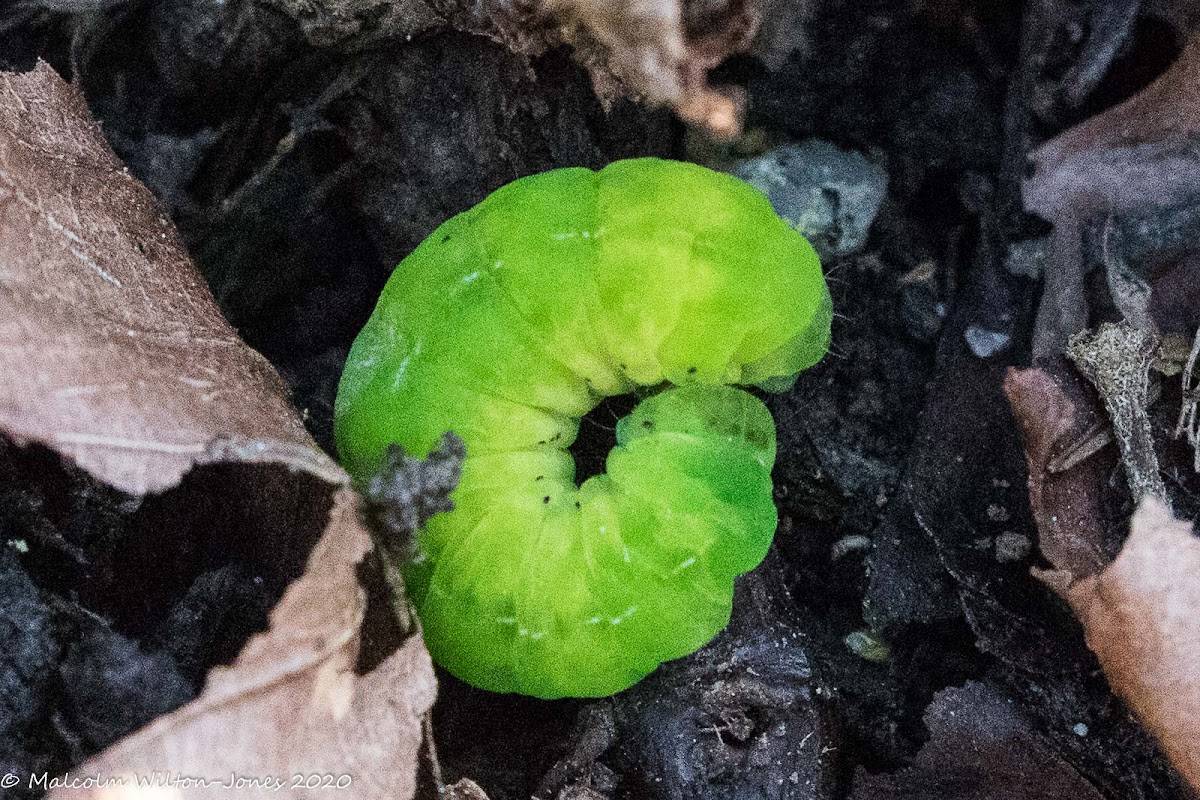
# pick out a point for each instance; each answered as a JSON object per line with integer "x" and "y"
{"x": 660, "y": 50}
{"x": 112, "y": 350}
{"x": 113, "y": 353}
{"x": 291, "y": 705}
{"x": 1067, "y": 471}
{"x": 1139, "y": 154}
{"x": 1141, "y": 612}
{"x": 1141, "y": 616}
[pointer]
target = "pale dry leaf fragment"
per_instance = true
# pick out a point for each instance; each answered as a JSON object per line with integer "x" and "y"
{"x": 291, "y": 704}
{"x": 663, "y": 49}
{"x": 1141, "y": 616}
{"x": 464, "y": 789}
{"x": 113, "y": 353}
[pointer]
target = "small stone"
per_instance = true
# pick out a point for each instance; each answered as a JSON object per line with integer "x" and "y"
{"x": 849, "y": 544}
{"x": 921, "y": 304}
{"x": 997, "y": 513}
{"x": 1011, "y": 547}
{"x": 1080, "y": 729}
{"x": 868, "y": 645}
{"x": 828, "y": 194}
{"x": 1026, "y": 258}
{"x": 986, "y": 343}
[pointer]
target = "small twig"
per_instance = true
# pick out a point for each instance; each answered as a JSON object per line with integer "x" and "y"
{"x": 1188, "y": 421}
{"x": 435, "y": 763}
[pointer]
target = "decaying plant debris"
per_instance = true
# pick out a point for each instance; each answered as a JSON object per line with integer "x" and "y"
{"x": 658, "y": 50}
{"x": 959, "y": 486}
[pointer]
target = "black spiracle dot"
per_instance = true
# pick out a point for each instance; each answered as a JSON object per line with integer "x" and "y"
{"x": 691, "y": 370}
{"x": 445, "y": 238}
{"x": 546, "y": 499}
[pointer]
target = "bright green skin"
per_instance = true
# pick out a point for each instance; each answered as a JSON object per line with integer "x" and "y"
{"x": 513, "y": 320}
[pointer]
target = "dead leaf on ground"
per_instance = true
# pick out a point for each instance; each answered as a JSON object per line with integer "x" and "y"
{"x": 1139, "y": 613}
{"x": 980, "y": 748}
{"x": 1138, "y": 155}
{"x": 1070, "y": 454}
{"x": 112, "y": 350}
{"x": 113, "y": 354}
{"x": 1140, "y": 618}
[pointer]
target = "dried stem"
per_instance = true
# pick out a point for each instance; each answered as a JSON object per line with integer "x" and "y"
{"x": 1117, "y": 359}
{"x": 1188, "y": 418}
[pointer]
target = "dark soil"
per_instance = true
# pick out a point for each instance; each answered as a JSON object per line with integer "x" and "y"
{"x": 300, "y": 175}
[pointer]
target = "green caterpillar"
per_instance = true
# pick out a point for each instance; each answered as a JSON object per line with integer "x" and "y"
{"x": 512, "y": 321}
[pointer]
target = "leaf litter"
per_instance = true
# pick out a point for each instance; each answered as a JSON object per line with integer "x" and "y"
{"x": 1120, "y": 190}
{"x": 114, "y": 356}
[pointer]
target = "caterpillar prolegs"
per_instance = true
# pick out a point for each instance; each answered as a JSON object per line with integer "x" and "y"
{"x": 512, "y": 321}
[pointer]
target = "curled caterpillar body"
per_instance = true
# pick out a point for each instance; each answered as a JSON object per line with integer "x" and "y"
{"x": 512, "y": 321}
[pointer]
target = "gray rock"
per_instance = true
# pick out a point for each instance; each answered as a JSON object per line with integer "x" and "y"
{"x": 1026, "y": 258}
{"x": 828, "y": 194}
{"x": 1011, "y": 546}
{"x": 986, "y": 343}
